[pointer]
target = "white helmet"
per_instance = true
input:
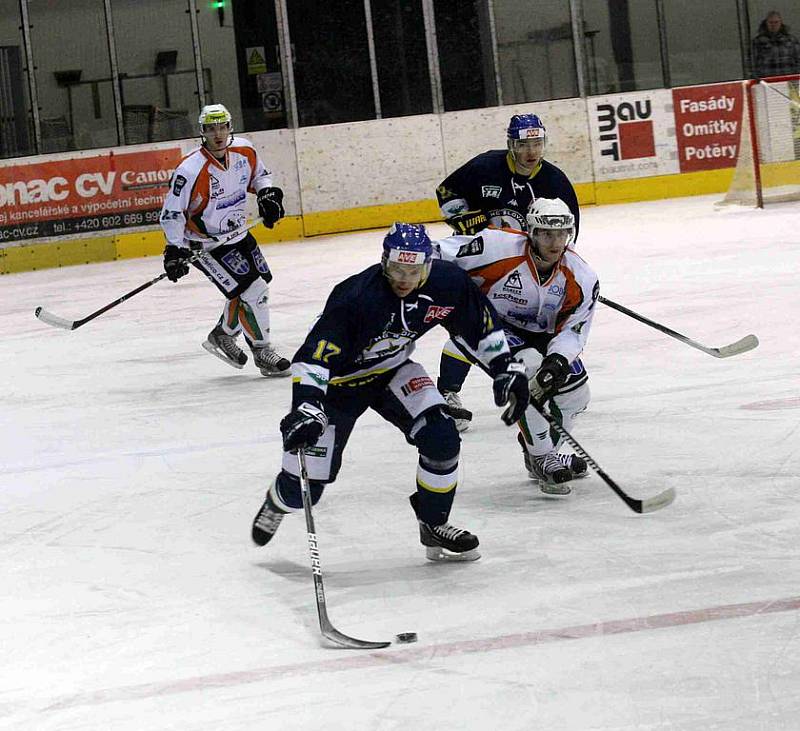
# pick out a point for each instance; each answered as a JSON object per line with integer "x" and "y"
{"x": 214, "y": 114}
{"x": 550, "y": 213}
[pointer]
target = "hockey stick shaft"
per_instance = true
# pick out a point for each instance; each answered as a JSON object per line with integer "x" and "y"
{"x": 638, "y": 506}
{"x": 50, "y": 319}
{"x": 329, "y": 632}
{"x": 748, "y": 342}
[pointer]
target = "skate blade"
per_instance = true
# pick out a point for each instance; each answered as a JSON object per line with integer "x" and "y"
{"x": 276, "y": 374}
{"x": 554, "y": 489}
{"x": 224, "y": 358}
{"x": 437, "y": 553}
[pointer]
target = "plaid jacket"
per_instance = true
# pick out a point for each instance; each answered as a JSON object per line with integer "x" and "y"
{"x": 775, "y": 54}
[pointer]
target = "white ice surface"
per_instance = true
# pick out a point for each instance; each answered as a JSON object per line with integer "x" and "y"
{"x": 133, "y": 463}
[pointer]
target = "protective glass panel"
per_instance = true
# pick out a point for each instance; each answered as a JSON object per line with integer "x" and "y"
{"x": 16, "y": 127}
{"x": 331, "y": 61}
{"x": 622, "y": 47}
{"x": 402, "y": 57}
{"x": 466, "y": 63}
{"x": 535, "y": 51}
{"x": 697, "y": 56}
{"x": 158, "y": 83}
{"x": 240, "y": 43}
{"x": 76, "y": 101}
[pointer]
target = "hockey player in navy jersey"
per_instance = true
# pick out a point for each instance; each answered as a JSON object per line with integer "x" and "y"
{"x": 497, "y": 188}
{"x": 357, "y": 356}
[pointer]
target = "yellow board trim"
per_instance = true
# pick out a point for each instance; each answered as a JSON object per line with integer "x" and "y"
{"x": 135, "y": 244}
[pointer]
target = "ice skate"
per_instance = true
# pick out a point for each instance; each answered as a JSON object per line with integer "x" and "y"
{"x": 269, "y": 362}
{"x": 266, "y": 522}
{"x": 224, "y": 346}
{"x": 447, "y": 543}
{"x": 552, "y": 470}
{"x": 455, "y": 409}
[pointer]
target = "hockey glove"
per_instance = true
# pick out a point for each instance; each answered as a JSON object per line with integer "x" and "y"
{"x": 270, "y": 206}
{"x": 469, "y": 222}
{"x": 552, "y": 374}
{"x": 303, "y": 427}
{"x": 510, "y": 387}
{"x": 175, "y": 264}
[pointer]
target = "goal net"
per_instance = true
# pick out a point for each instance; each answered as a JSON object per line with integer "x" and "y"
{"x": 768, "y": 166}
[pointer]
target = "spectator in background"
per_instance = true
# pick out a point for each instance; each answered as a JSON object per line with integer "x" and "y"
{"x": 776, "y": 52}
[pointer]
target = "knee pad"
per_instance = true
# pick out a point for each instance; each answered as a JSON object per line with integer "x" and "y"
{"x": 573, "y": 402}
{"x": 287, "y": 494}
{"x": 256, "y": 295}
{"x": 436, "y": 437}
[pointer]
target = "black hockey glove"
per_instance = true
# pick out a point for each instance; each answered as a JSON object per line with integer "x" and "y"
{"x": 552, "y": 374}
{"x": 469, "y": 222}
{"x": 175, "y": 264}
{"x": 303, "y": 427}
{"x": 510, "y": 387}
{"x": 270, "y": 206}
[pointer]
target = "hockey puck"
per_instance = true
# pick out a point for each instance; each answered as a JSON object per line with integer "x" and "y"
{"x": 406, "y": 637}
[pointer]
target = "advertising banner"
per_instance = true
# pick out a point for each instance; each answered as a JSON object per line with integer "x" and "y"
{"x": 85, "y": 195}
{"x": 708, "y": 125}
{"x": 633, "y": 135}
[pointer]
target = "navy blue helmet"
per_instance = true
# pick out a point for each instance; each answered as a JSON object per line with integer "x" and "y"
{"x": 407, "y": 243}
{"x": 525, "y": 126}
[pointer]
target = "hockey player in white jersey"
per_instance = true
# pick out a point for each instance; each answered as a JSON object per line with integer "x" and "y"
{"x": 204, "y": 211}
{"x": 545, "y": 294}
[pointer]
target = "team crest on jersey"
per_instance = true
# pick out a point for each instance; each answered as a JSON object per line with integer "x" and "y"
{"x": 416, "y": 384}
{"x": 491, "y": 191}
{"x": 437, "y": 312}
{"x": 514, "y": 281}
{"x": 473, "y": 248}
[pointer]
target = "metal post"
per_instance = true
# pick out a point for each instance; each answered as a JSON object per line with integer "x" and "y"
{"x": 661, "y": 21}
{"x": 287, "y": 63}
{"x": 498, "y": 84}
{"x": 373, "y": 61}
{"x": 433, "y": 56}
{"x": 198, "y": 56}
{"x": 33, "y": 91}
{"x": 115, "y": 82}
{"x": 576, "y": 18}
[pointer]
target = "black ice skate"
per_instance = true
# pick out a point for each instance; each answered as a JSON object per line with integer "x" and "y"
{"x": 269, "y": 362}
{"x": 455, "y": 409}
{"x": 552, "y": 470}
{"x": 445, "y": 542}
{"x": 224, "y": 346}
{"x": 266, "y": 522}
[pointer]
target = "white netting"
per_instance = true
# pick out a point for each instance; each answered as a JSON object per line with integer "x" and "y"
{"x": 777, "y": 160}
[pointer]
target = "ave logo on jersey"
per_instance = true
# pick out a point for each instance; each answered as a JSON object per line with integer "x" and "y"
{"x": 437, "y": 312}
{"x": 514, "y": 281}
{"x": 473, "y": 248}
{"x": 491, "y": 191}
